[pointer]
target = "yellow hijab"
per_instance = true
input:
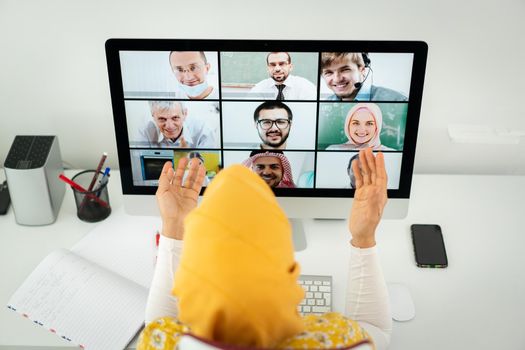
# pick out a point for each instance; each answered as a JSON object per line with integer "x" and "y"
{"x": 237, "y": 278}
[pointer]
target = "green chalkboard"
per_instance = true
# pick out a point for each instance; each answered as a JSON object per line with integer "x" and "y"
{"x": 332, "y": 118}
{"x": 250, "y": 67}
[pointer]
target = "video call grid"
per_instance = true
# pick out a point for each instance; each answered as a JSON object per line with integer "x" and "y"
{"x": 222, "y": 149}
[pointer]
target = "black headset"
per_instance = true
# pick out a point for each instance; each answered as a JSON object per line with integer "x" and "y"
{"x": 366, "y": 59}
{"x": 367, "y": 62}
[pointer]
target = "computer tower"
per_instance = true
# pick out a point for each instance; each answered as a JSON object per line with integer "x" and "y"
{"x": 32, "y": 167}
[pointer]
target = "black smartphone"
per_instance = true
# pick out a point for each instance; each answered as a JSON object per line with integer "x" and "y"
{"x": 429, "y": 247}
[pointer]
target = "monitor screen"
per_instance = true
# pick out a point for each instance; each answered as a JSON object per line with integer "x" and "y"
{"x": 295, "y": 112}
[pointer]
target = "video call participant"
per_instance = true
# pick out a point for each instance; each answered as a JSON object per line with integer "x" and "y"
{"x": 273, "y": 167}
{"x": 273, "y": 121}
{"x": 350, "y": 169}
{"x": 197, "y": 155}
{"x": 200, "y": 159}
{"x": 281, "y": 85}
{"x": 345, "y": 73}
{"x": 191, "y": 69}
{"x": 171, "y": 127}
{"x": 362, "y": 128}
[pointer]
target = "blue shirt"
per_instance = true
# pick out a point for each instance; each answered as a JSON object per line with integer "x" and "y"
{"x": 373, "y": 93}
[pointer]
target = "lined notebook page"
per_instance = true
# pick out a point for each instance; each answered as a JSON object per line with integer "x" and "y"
{"x": 123, "y": 244}
{"x": 81, "y": 302}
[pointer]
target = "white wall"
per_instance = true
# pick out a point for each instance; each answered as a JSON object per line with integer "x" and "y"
{"x": 53, "y": 77}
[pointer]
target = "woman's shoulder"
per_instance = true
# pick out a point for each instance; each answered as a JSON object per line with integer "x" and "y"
{"x": 330, "y": 330}
{"x": 327, "y": 331}
{"x": 163, "y": 333}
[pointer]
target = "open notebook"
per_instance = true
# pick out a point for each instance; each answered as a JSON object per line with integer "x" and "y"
{"x": 94, "y": 295}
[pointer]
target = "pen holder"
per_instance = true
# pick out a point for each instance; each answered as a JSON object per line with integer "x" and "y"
{"x": 92, "y": 206}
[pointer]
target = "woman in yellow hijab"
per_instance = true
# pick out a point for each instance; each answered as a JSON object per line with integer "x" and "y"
{"x": 234, "y": 279}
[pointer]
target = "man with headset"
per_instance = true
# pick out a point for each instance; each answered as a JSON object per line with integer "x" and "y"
{"x": 345, "y": 73}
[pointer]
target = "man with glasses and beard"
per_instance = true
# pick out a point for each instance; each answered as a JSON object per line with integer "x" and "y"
{"x": 273, "y": 120}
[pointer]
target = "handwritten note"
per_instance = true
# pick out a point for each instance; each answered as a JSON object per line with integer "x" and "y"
{"x": 82, "y": 302}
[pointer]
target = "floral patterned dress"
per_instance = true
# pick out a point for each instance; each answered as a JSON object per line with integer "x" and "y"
{"x": 328, "y": 331}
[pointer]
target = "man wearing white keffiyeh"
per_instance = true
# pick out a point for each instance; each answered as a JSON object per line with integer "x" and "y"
{"x": 273, "y": 167}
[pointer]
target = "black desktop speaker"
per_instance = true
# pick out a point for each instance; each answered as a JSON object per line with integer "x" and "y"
{"x": 32, "y": 167}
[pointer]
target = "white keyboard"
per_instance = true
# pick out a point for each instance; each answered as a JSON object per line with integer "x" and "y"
{"x": 318, "y": 294}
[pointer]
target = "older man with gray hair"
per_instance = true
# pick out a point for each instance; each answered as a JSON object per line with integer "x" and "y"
{"x": 170, "y": 127}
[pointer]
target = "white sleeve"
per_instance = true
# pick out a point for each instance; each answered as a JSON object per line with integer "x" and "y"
{"x": 309, "y": 90}
{"x": 367, "y": 300}
{"x": 257, "y": 88}
{"x": 148, "y": 133}
{"x": 206, "y": 138}
{"x": 160, "y": 300}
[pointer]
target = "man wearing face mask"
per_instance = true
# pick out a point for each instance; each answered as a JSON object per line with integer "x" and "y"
{"x": 191, "y": 69}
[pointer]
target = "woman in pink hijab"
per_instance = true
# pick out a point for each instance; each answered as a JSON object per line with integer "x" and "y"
{"x": 362, "y": 128}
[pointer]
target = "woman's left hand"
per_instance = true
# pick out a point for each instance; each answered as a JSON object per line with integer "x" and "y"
{"x": 369, "y": 199}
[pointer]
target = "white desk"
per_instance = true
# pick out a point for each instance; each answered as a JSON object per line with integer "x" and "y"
{"x": 475, "y": 303}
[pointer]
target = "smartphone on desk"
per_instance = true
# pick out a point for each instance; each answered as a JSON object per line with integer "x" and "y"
{"x": 429, "y": 247}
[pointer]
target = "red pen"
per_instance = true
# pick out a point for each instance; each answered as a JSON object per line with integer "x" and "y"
{"x": 82, "y": 189}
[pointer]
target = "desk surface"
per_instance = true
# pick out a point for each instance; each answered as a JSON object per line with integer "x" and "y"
{"x": 476, "y": 302}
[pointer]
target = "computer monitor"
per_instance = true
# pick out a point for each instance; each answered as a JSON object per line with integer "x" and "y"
{"x": 296, "y": 112}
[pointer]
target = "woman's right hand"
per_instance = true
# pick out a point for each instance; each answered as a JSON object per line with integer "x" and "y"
{"x": 369, "y": 199}
{"x": 175, "y": 198}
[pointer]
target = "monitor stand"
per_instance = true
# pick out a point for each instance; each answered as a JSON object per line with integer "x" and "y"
{"x": 298, "y": 234}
